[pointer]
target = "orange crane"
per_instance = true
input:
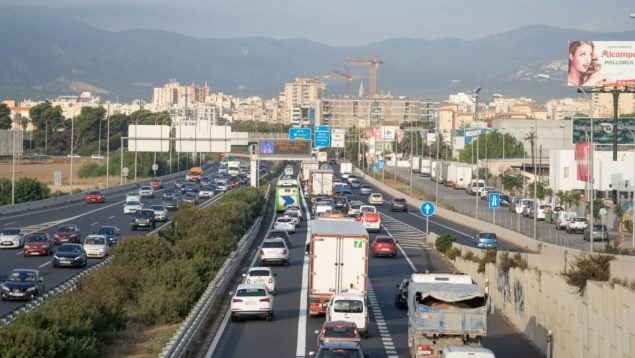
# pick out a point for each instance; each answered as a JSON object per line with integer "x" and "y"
{"x": 372, "y": 63}
{"x": 348, "y": 77}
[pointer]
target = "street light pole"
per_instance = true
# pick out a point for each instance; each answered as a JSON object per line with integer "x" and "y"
{"x": 502, "y": 182}
{"x": 135, "y": 141}
{"x": 108, "y": 147}
{"x": 478, "y": 142}
{"x": 535, "y": 209}
{"x": 72, "y": 145}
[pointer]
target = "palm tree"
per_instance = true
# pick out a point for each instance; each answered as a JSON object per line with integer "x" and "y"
{"x": 531, "y": 138}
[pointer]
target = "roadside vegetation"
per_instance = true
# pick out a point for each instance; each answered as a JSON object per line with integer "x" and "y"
{"x": 26, "y": 189}
{"x": 153, "y": 281}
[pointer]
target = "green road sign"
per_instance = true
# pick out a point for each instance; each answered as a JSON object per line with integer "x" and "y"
{"x": 603, "y": 130}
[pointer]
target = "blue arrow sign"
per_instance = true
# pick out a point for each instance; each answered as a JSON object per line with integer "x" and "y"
{"x": 288, "y": 200}
{"x": 494, "y": 200}
{"x": 300, "y": 133}
{"x": 427, "y": 208}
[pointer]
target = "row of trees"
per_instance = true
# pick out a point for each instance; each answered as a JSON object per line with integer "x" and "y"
{"x": 152, "y": 280}
{"x": 26, "y": 189}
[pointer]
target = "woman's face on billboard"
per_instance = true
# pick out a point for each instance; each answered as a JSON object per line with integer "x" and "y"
{"x": 581, "y": 58}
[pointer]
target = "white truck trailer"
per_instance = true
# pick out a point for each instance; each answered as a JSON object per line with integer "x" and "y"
{"x": 338, "y": 261}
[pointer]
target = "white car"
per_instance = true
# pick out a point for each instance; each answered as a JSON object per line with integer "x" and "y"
{"x": 353, "y": 208}
{"x": 274, "y": 250}
{"x": 146, "y": 191}
{"x": 11, "y": 237}
{"x": 96, "y": 246}
{"x": 375, "y": 199}
{"x": 288, "y": 171}
{"x": 285, "y": 223}
{"x": 294, "y": 210}
{"x": 367, "y": 209}
{"x": 130, "y": 207}
{"x": 160, "y": 212}
{"x": 133, "y": 196}
{"x": 262, "y": 275}
{"x": 251, "y": 300}
{"x": 206, "y": 192}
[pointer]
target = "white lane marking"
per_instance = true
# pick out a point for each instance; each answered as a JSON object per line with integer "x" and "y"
{"x": 19, "y": 253}
{"x": 443, "y": 226}
{"x": 111, "y": 216}
{"x": 5, "y": 224}
{"x": 95, "y": 223}
{"x": 300, "y": 350}
{"x": 386, "y": 339}
{"x": 44, "y": 264}
{"x": 44, "y": 226}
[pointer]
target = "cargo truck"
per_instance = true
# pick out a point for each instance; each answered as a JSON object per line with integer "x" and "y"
{"x": 434, "y": 169}
{"x": 194, "y": 174}
{"x": 415, "y": 163}
{"x": 425, "y": 167}
{"x": 233, "y": 167}
{"x": 338, "y": 261}
{"x": 463, "y": 176}
{"x": 321, "y": 182}
{"x": 444, "y": 310}
{"x": 322, "y": 157}
{"x": 346, "y": 169}
{"x": 306, "y": 167}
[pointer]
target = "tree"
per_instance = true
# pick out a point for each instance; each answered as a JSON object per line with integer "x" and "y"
{"x": 5, "y": 116}
{"x": 531, "y": 138}
{"x": 491, "y": 145}
{"x": 512, "y": 182}
{"x": 47, "y": 120}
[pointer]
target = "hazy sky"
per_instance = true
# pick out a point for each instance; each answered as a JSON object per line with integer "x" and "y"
{"x": 342, "y": 22}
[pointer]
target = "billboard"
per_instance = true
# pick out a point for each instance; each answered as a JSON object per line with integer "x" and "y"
{"x": 204, "y": 138}
{"x": 601, "y": 63}
{"x": 148, "y": 138}
{"x": 338, "y": 136}
{"x": 284, "y": 147}
{"x": 603, "y": 130}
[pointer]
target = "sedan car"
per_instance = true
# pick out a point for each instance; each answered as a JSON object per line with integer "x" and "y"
{"x": 262, "y": 275}
{"x": 130, "y": 207}
{"x": 22, "y": 284}
{"x": 70, "y": 255}
{"x": 398, "y": 204}
{"x": 11, "y": 237}
{"x": 600, "y": 232}
{"x": 376, "y": 199}
{"x": 95, "y": 197}
{"x": 38, "y": 244}
{"x": 170, "y": 203}
{"x": 160, "y": 212}
{"x": 67, "y": 234}
{"x": 365, "y": 189}
{"x": 285, "y": 223}
{"x": 190, "y": 197}
{"x": 96, "y": 246}
{"x": 110, "y": 232}
{"x": 401, "y": 294}
{"x": 294, "y": 210}
{"x": 486, "y": 240}
{"x": 251, "y": 300}
{"x": 338, "y": 331}
{"x": 384, "y": 246}
{"x": 206, "y": 192}
{"x": 146, "y": 191}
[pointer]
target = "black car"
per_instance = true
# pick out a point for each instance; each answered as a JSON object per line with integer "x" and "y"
{"x": 169, "y": 192}
{"x": 170, "y": 203}
{"x": 505, "y": 200}
{"x": 332, "y": 162}
{"x": 401, "y": 294}
{"x": 22, "y": 284}
{"x": 143, "y": 218}
{"x": 110, "y": 232}
{"x": 70, "y": 255}
{"x": 398, "y": 204}
{"x": 189, "y": 188}
{"x": 341, "y": 203}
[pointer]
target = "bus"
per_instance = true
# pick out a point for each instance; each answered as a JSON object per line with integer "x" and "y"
{"x": 287, "y": 193}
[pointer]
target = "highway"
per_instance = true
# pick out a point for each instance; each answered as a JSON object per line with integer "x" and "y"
{"x": 292, "y": 332}
{"x": 88, "y": 217}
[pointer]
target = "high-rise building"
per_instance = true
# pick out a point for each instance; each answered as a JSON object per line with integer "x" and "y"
{"x": 174, "y": 94}
{"x": 300, "y": 98}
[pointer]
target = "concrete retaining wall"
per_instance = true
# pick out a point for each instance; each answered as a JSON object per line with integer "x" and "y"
{"x": 600, "y": 323}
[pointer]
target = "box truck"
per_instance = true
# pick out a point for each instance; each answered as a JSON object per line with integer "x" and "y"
{"x": 425, "y": 167}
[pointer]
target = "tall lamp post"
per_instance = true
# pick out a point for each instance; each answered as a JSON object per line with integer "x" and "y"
{"x": 108, "y": 147}
{"x": 478, "y": 142}
{"x": 590, "y": 168}
{"x": 145, "y": 111}
{"x": 502, "y": 182}
{"x": 72, "y": 145}
{"x": 633, "y": 186}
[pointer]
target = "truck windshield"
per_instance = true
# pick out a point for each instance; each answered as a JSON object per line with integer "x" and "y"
{"x": 348, "y": 306}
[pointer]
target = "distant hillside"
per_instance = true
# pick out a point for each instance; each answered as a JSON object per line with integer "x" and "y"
{"x": 43, "y": 56}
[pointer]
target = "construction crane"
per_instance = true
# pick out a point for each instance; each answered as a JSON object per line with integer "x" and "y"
{"x": 348, "y": 77}
{"x": 372, "y": 63}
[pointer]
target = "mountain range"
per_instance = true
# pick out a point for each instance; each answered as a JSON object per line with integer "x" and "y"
{"x": 42, "y": 56}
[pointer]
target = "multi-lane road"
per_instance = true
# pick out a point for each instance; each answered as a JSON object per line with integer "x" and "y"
{"x": 292, "y": 333}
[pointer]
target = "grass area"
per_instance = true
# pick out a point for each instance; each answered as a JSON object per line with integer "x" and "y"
{"x": 141, "y": 341}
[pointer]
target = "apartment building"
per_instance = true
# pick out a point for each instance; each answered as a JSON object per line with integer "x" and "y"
{"x": 372, "y": 113}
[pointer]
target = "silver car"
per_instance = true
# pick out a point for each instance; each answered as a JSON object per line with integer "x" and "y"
{"x": 146, "y": 191}
{"x": 274, "y": 251}
{"x": 160, "y": 212}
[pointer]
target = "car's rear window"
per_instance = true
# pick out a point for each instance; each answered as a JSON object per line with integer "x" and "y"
{"x": 259, "y": 273}
{"x": 95, "y": 241}
{"x": 251, "y": 292}
{"x": 348, "y": 306}
{"x": 386, "y": 240}
{"x": 10, "y": 232}
{"x": 487, "y": 236}
{"x": 273, "y": 244}
{"x": 36, "y": 238}
{"x": 341, "y": 332}
{"x": 400, "y": 200}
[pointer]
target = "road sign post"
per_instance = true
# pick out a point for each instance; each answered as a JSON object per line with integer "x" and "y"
{"x": 427, "y": 209}
{"x": 494, "y": 203}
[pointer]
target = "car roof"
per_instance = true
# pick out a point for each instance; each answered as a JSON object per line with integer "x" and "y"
{"x": 246, "y": 286}
{"x": 349, "y": 295}
{"x": 261, "y": 268}
{"x": 340, "y": 344}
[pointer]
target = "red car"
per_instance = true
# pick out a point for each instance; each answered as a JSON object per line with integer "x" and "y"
{"x": 234, "y": 182}
{"x": 67, "y": 233}
{"x": 38, "y": 244}
{"x": 339, "y": 331}
{"x": 156, "y": 183}
{"x": 95, "y": 197}
{"x": 384, "y": 246}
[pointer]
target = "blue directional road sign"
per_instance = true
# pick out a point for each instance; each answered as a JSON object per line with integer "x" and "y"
{"x": 300, "y": 133}
{"x": 380, "y": 164}
{"x": 427, "y": 208}
{"x": 322, "y": 137}
{"x": 494, "y": 200}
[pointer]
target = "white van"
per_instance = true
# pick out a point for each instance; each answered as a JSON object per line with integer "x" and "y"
{"x": 523, "y": 204}
{"x": 350, "y": 307}
{"x": 475, "y": 186}
{"x": 563, "y": 218}
{"x": 467, "y": 352}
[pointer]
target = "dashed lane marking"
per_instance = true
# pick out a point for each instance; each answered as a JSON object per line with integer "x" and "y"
{"x": 384, "y": 333}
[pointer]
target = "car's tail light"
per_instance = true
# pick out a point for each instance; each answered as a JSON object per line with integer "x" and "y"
{"x": 424, "y": 350}
{"x": 284, "y": 251}
{"x": 265, "y": 300}
{"x": 270, "y": 280}
{"x": 248, "y": 281}
{"x": 262, "y": 252}
{"x": 235, "y": 300}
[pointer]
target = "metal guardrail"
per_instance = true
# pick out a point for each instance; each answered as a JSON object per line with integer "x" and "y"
{"x": 182, "y": 339}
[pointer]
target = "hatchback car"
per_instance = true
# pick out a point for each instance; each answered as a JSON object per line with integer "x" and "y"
{"x": 262, "y": 275}
{"x": 160, "y": 212}
{"x": 143, "y": 218}
{"x": 365, "y": 189}
{"x": 146, "y": 191}
{"x": 67, "y": 234}
{"x": 96, "y": 246}
{"x": 110, "y": 232}
{"x": 170, "y": 203}
{"x": 285, "y": 223}
{"x": 11, "y": 237}
{"x": 600, "y": 232}
{"x": 38, "y": 244}
{"x": 338, "y": 331}
{"x": 70, "y": 255}
{"x": 401, "y": 294}
{"x": 384, "y": 246}
{"x": 22, "y": 284}
{"x": 486, "y": 240}
{"x": 251, "y": 300}
{"x": 339, "y": 349}
{"x": 398, "y": 204}
{"x": 577, "y": 225}
{"x": 190, "y": 197}
{"x": 356, "y": 184}
{"x": 95, "y": 197}
{"x": 206, "y": 192}
{"x": 294, "y": 210}
{"x": 376, "y": 199}
{"x": 274, "y": 251}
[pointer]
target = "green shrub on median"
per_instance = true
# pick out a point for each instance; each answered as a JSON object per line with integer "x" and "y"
{"x": 153, "y": 280}
{"x": 444, "y": 243}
